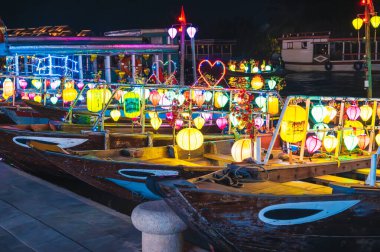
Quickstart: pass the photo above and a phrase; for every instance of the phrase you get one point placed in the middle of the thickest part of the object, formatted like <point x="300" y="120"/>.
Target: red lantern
<point x="154" y="97"/>
<point x="313" y="144"/>
<point x="169" y="116"/>
<point x="221" y="122"/>
<point x="187" y="94"/>
<point x="353" y="112"/>
<point x="363" y="141"/>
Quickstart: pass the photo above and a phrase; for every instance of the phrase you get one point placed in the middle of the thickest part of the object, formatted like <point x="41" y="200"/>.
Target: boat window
<point x="336" y="51"/>
<point x="289" y="45"/>
<point x="304" y="44"/>
<point x="320" y="49"/>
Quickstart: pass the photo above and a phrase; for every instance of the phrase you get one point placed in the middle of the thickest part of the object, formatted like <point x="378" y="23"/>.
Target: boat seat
<point x="365" y="171"/>
<point x="315" y="188"/>
<point x="219" y="157"/>
<point x="336" y="179"/>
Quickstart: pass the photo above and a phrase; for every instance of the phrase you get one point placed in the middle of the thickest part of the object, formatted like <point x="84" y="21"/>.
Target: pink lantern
<point x="363" y="141"/>
<point x="24" y="96"/>
<point x="31" y="95"/>
<point x="23" y="84"/>
<point x="80" y="85"/>
<point x="353" y="112"/>
<point x="313" y="144"/>
<point x="169" y="116"/>
<point x="221" y="122"/>
<point x="54" y="84"/>
<point x="259" y="122"/>
<point x="207" y="116"/>
<point x="178" y="124"/>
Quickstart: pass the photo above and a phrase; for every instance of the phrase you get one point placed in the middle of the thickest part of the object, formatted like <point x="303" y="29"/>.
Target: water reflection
<point x="329" y="84"/>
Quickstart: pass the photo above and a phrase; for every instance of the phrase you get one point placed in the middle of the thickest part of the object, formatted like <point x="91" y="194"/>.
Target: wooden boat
<point x="123" y="172"/>
<point x="236" y="210"/>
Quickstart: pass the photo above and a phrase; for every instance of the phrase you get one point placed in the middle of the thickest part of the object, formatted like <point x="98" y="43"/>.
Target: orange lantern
<point x="363" y="141"/>
<point x="199" y="100"/>
<point x="154" y="97"/>
<point x="257" y="82"/>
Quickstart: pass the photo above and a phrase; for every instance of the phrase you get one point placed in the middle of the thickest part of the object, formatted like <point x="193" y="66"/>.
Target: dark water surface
<point x="329" y="84"/>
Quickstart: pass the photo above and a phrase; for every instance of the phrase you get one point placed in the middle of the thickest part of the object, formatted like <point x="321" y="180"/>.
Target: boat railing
<point x="338" y="129"/>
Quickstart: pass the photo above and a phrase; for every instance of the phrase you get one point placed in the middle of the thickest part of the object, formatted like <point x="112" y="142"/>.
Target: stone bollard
<point x="161" y="228"/>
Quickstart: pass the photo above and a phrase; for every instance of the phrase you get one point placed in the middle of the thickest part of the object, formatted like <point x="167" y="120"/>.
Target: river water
<point x="329" y="84"/>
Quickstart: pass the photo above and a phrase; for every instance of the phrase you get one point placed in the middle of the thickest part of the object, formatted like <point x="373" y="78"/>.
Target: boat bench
<point x="219" y="157"/>
<point x="365" y="171"/>
<point x="336" y="179"/>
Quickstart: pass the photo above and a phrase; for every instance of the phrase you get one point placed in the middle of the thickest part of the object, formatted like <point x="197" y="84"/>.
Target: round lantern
<point x="350" y="142"/>
<point x="331" y="113"/>
<point x="318" y="112"/>
<point x="377" y="138"/>
<point x="318" y="127"/>
<point x="189" y="139"/>
<point x="313" y="144"/>
<point x="69" y="94"/>
<point x="358" y="126"/>
<point x="156" y="122"/>
<point x="154" y="97"/>
<point x="257" y="82"/>
<point x="261" y="101"/>
<point x="363" y="141"/>
<point x="199" y="122"/>
<point x="131" y="104"/>
<point x="170" y="95"/>
<point x="37" y="84"/>
<point x="273" y="105"/>
<point x="330" y="142"/>
<point x="23" y="83"/>
<point x="37" y="98"/>
<point x="259" y="122"/>
<point x="221" y="122"/>
<point x="365" y="112"/>
<point x="293" y="124"/>
<point x="241" y="149"/>
<point x="31" y="95"/>
<point x="96" y="98"/>
<point x="208" y="96"/>
<point x="271" y="84"/>
<point x="115" y="115"/>
<point x="8" y="88"/>
<point x="220" y="100"/>
<point x="199" y="100"/>
<point x="353" y="112"/>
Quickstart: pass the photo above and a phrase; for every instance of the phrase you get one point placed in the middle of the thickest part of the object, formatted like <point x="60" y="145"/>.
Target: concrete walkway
<point x="38" y="216"/>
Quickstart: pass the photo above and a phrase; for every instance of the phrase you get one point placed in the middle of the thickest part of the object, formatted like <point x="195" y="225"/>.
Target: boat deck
<point x="38" y="216"/>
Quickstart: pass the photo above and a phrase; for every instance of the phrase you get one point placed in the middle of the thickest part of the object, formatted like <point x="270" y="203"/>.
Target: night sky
<point x="245" y="20"/>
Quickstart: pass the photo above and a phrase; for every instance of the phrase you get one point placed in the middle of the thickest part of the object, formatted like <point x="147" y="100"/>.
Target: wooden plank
<point x="310" y="187"/>
<point x="365" y="171"/>
<point x="219" y="157"/>
<point x="337" y="179"/>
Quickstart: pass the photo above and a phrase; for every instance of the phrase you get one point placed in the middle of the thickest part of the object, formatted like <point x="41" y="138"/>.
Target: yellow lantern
<point x="375" y="21"/>
<point x="37" y="98"/>
<point x="241" y="149"/>
<point x="365" y="112"/>
<point x="199" y="122"/>
<point x="131" y="105"/>
<point x="331" y="113"/>
<point x="257" y="82"/>
<point x="353" y="124"/>
<point x="8" y="88"/>
<point x="37" y="84"/>
<point x="273" y="105"/>
<point x="69" y="94"/>
<point x="152" y="114"/>
<point x="377" y="138"/>
<point x="357" y="23"/>
<point x="330" y="142"/>
<point x="115" y="115"/>
<point x="220" y="100"/>
<point x="293" y="124"/>
<point x="93" y="57"/>
<point x="96" y="98"/>
<point x="189" y="139"/>
<point x="156" y="122"/>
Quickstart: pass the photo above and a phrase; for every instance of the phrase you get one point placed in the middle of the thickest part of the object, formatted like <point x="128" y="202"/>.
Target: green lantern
<point x="131" y="105"/>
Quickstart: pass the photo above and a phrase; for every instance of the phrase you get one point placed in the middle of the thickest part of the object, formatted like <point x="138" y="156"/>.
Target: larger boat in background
<point x="319" y="51"/>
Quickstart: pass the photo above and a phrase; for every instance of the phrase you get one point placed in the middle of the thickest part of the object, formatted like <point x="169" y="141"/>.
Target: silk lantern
<point x="115" y="115"/>
<point x="271" y="84"/>
<point x="156" y="122"/>
<point x="358" y="126"/>
<point x="377" y="138"/>
<point x="178" y="124"/>
<point x="23" y="83"/>
<point x="221" y="122"/>
<point x="189" y="139"/>
<point x="221" y="100"/>
<point x="273" y="105"/>
<point x="318" y="112"/>
<point x="54" y="84"/>
<point x="199" y="100"/>
<point x="131" y="104"/>
<point x="181" y="99"/>
<point x="37" y="98"/>
<point x="169" y="116"/>
<point x="261" y="101"/>
<point x="97" y="98"/>
<point x="69" y="94"/>
<point x="319" y="128"/>
<point x="241" y="149"/>
<point x="154" y="97"/>
<point x="353" y="112"/>
<point x="37" y="84"/>
<point x="378" y="111"/>
<point x="199" y="122"/>
<point x="259" y="122"/>
<point x="208" y="96"/>
<point x="357" y="23"/>
<point x="206" y="116"/>
<point x="331" y="113"/>
<point x="363" y="141"/>
<point x="293" y="124"/>
<point x="233" y="119"/>
<point x="53" y="100"/>
<point x="365" y="112"/>
<point x="313" y="144"/>
<point x="257" y="82"/>
<point x="330" y="142"/>
<point x="8" y="88"/>
<point x="350" y="142"/>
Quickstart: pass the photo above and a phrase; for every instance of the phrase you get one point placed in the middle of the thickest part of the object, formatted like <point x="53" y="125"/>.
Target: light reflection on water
<point x="329" y="84"/>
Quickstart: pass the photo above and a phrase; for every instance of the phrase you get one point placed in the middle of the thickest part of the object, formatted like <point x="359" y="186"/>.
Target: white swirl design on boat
<point x="59" y="141"/>
<point x="144" y="173"/>
<point x="303" y="212"/>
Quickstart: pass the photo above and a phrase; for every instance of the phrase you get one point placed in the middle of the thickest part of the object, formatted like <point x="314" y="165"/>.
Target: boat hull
<point x="337" y="66"/>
